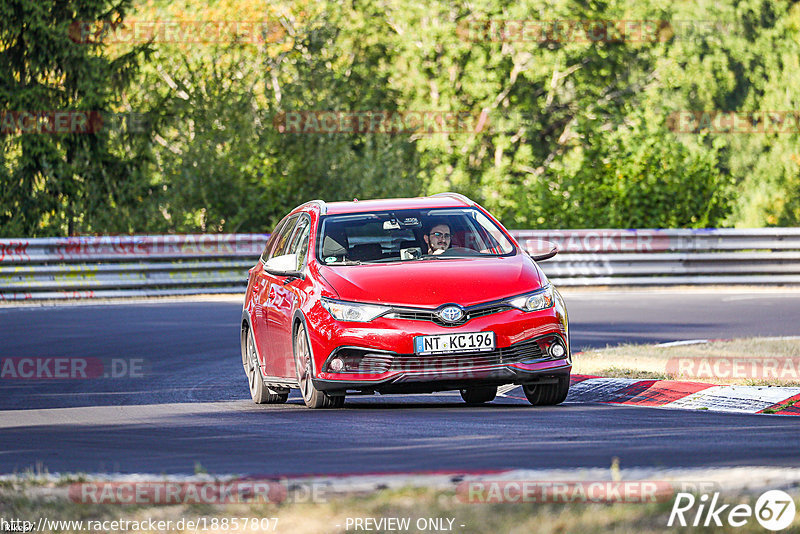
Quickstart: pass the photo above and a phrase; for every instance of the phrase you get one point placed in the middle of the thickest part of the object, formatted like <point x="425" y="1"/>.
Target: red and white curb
<point x="685" y="395"/>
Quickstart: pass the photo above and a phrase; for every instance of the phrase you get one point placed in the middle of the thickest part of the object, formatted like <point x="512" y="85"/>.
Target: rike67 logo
<point x="774" y="510"/>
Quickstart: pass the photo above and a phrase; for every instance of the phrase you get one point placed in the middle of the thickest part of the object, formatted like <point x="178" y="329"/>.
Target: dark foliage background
<point x="581" y="130"/>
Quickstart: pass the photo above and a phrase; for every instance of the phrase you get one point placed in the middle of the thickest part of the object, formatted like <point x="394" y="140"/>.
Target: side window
<point x="273" y="238"/>
<point x="299" y="244"/>
<point x="283" y="237"/>
<point x="497" y="241"/>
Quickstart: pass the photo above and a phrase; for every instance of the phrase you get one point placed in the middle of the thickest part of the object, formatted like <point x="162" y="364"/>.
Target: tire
<point x="479" y="394"/>
<point x="547" y="394"/>
<point x="304" y="367"/>
<point x="259" y="392"/>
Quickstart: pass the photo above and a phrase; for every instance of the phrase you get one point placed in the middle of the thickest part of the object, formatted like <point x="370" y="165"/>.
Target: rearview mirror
<point x="542" y="250"/>
<point x="285" y="265"/>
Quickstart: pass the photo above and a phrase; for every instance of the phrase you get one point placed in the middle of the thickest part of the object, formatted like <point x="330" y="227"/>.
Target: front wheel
<point x="479" y="394"/>
<point x="313" y="397"/>
<point x="260" y="393"/>
<point x="547" y="394"/>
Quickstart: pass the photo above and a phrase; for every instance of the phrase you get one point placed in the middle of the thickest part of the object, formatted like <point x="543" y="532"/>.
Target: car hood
<point x="431" y="283"/>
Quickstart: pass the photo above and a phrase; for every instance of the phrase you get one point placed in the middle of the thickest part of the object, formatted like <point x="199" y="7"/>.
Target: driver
<point x="437" y="238"/>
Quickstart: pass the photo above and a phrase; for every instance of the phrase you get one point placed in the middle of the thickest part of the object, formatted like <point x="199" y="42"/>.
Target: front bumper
<point x="447" y="379"/>
<point x="520" y="356"/>
<point x="524" y="362"/>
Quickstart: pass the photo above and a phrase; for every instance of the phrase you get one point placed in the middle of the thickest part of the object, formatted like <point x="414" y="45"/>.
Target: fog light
<point x="337" y="365"/>
<point x="557" y="350"/>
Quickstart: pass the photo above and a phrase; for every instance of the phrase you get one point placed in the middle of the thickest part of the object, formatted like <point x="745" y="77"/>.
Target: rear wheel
<point x="313" y="397"/>
<point x="259" y="391"/>
<point x="547" y="394"/>
<point x="479" y="394"/>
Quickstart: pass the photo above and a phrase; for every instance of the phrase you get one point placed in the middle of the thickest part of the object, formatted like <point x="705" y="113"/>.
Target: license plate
<point x="469" y="342"/>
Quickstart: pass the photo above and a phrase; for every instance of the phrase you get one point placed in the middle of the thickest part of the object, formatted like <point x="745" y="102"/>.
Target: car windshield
<point x="406" y="235"/>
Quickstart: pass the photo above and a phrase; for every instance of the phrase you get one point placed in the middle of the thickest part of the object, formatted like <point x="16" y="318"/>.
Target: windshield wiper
<point x="345" y="262"/>
<point x="386" y="260"/>
<point x="439" y="257"/>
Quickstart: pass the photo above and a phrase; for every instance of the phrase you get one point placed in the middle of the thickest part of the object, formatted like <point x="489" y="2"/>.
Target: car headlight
<point x="352" y="311"/>
<point x="538" y="300"/>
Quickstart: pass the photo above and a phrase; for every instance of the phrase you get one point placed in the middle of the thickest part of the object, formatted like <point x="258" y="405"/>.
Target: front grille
<point x="480" y="312"/>
<point x="411" y="315"/>
<point x="414" y="314"/>
<point x="524" y="350"/>
<point x="375" y="363"/>
<point x="360" y="360"/>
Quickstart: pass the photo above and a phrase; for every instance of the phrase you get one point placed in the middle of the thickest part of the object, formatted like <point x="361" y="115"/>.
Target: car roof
<point x="442" y="200"/>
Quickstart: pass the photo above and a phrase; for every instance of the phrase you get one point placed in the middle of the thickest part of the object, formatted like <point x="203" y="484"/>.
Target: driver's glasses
<point x="440" y="235"/>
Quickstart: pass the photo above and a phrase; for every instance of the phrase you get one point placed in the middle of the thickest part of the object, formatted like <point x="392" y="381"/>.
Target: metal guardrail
<point x="670" y="257"/>
<point x="126" y="266"/>
<point x="131" y="266"/>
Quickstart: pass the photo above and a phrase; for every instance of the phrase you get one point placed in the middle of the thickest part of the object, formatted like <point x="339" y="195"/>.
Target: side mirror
<point x="542" y="250"/>
<point x="285" y="265"/>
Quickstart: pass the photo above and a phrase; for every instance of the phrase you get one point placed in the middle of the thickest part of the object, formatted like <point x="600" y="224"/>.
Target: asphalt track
<point x="191" y="407"/>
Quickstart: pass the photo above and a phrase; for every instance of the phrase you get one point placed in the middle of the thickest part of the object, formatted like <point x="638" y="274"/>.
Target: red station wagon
<point x="401" y="296"/>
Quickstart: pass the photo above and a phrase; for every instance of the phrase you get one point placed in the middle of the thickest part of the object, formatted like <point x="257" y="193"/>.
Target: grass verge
<point x="422" y="507"/>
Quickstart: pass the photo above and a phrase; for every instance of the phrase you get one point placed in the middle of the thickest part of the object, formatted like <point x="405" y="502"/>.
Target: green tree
<point x="226" y="165"/>
<point x="65" y="183"/>
<point x="579" y="131"/>
<point x="744" y="59"/>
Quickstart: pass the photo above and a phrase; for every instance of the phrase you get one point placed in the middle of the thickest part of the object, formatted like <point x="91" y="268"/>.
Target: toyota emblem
<point x="451" y="314"/>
